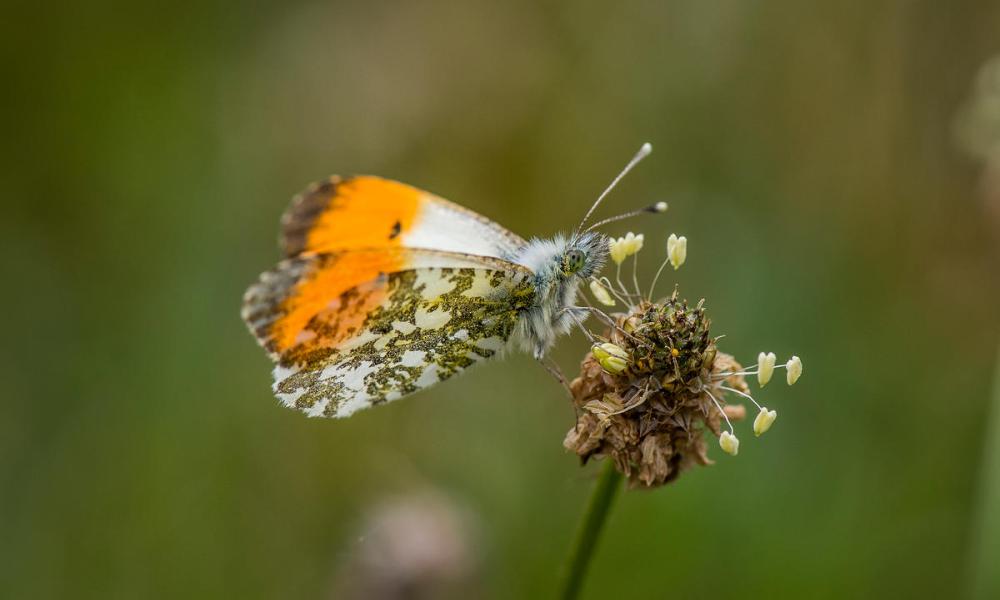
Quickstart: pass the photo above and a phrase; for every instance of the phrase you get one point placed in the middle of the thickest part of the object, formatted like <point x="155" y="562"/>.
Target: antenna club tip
<point x="660" y="207"/>
<point x="646" y="149"/>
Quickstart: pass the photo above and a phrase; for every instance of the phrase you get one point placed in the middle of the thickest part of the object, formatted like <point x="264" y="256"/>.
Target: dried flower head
<point x="655" y="384"/>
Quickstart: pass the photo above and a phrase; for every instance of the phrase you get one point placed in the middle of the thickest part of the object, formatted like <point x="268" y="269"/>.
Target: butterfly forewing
<point x="371" y="212"/>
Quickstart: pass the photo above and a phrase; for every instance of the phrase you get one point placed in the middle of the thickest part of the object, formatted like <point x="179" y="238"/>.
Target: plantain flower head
<point x="655" y="385"/>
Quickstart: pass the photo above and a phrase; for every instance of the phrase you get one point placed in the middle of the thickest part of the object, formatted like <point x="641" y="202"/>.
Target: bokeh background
<point x="829" y="163"/>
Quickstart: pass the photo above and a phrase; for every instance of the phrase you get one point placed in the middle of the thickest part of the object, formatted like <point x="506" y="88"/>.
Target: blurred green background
<point x="808" y="152"/>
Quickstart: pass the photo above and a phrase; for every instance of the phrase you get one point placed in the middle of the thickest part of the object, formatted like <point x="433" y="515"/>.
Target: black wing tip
<point x="302" y="212"/>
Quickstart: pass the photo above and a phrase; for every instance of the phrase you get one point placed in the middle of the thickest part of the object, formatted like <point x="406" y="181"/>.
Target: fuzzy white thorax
<point x="555" y="290"/>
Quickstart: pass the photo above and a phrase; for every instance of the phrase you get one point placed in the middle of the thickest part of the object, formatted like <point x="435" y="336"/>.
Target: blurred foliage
<point x="807" y="153"/>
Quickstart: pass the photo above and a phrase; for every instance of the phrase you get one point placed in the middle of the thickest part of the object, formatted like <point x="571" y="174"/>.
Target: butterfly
<point x="386" y="289"/>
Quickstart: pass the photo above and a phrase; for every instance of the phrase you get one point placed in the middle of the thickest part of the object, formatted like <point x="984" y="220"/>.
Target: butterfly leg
<point x="553" y="368"/>
<point x="578" y="315"/>
<point x="603" y="316"/>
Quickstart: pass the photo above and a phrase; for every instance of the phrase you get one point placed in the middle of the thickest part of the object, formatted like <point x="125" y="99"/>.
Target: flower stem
<point x="983" y="578"/>
<point x="598" y="508"/>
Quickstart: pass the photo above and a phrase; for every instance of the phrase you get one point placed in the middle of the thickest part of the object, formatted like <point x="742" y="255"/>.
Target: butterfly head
<point x="584" y="255"/>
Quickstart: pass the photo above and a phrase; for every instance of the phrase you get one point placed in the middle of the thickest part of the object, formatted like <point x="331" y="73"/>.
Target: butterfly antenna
<point x="659" y="207"/>
<point x="641" y="154"/>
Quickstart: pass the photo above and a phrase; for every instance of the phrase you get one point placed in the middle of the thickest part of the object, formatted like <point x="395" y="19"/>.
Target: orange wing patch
<point x="337" y="289"/>
<point x="356" y="212"/>
<point x="320" y="296"/>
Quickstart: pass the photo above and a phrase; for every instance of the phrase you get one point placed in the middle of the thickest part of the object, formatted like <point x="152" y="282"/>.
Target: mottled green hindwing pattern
<point x="431" y="324"/>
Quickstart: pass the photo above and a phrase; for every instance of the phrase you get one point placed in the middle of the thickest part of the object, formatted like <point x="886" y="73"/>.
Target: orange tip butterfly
<point x="386" y="289"/>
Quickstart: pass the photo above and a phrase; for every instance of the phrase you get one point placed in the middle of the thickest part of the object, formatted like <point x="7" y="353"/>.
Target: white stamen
<point x="765" y="367"/>
<point x="621" y="286"/>
<point x="634" y="242"/>
<point x="794" y="366"/>
<point x="677" y="250"/>
<point x="729" y="443"/>
<point x="744" y="394"/>
<point x="719" y="406"/>
<point x="618" y="250"/>
<point x="635" y="267"/>
<point x="611" y="288"/>
<point x="765" y="418"/>
<point x="656" y="278"/>
<point x="601" y="293"/>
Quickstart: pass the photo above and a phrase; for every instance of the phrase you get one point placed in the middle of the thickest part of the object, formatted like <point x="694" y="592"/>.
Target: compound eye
<point x="573" y="261"/>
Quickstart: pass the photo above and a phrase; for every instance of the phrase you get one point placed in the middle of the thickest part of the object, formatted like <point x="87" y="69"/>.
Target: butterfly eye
<point x="573" y="261"/>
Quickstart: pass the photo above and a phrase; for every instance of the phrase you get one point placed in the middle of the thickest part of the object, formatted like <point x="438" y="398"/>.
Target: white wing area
<point x="443" y="225"/>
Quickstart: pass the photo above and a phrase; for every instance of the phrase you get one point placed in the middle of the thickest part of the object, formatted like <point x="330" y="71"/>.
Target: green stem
<point x="984" y="578"/>
<point x="598" y="508"/>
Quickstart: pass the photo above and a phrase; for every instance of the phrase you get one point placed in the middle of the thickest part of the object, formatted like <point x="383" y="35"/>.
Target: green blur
<point x="807" y="151"/>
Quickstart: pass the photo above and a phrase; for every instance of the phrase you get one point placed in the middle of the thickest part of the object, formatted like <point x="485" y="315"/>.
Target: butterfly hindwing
<point x="357" y="328"/>
<point x="372" y="212"/>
